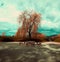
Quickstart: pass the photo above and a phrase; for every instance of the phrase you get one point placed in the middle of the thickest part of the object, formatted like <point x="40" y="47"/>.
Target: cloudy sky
<point x="49" y="9"/>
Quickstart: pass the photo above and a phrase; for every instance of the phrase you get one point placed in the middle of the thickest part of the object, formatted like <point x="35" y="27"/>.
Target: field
<point x="14" y="52"/>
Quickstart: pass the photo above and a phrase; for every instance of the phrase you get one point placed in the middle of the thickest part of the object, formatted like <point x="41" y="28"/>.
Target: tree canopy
<point x="30" y="21"/>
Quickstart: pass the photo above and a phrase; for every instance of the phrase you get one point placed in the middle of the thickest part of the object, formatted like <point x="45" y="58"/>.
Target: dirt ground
<point x="13" y="52"/>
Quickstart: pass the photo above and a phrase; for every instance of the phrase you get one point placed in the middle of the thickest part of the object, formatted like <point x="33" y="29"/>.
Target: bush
<point x="57" y="40"/>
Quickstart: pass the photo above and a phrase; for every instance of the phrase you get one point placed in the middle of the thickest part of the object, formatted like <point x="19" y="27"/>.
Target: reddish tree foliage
<point x="3" y="34"/>
<point x="30" y="21"/>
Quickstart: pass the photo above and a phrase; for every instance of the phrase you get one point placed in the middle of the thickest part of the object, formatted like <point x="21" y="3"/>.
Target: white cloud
<point x="9" y="14"/>
<point x="48" y="24"/>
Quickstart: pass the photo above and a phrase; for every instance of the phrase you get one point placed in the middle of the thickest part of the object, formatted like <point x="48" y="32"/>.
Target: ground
<point x="13" y="52"/>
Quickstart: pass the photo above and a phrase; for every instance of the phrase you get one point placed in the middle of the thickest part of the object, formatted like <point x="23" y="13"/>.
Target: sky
<point x="49" y="10"/>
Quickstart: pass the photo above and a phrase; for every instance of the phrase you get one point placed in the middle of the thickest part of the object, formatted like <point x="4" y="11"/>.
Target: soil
<point x="14" y="52"/>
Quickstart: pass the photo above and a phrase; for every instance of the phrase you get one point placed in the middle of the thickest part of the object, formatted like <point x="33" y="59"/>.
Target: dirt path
<point x="13" y="52"/>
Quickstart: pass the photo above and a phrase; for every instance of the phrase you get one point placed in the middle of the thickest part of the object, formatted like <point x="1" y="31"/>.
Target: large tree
<point x="30" y="21"/>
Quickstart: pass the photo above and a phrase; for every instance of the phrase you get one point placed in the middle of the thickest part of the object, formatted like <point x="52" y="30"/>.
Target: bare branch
<point x="30" y="22"/>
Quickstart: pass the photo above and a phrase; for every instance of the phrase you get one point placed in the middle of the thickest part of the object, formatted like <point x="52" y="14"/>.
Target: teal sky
<point x="49" y="9"/>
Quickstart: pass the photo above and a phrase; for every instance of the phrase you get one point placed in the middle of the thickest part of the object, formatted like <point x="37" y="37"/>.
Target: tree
<point x="30" y="21"/>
